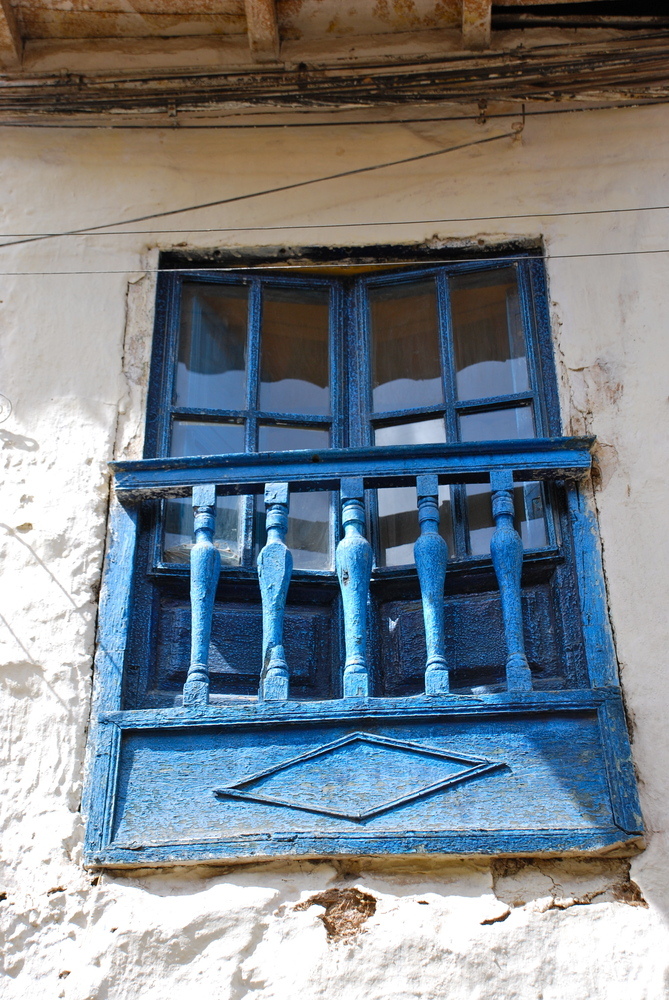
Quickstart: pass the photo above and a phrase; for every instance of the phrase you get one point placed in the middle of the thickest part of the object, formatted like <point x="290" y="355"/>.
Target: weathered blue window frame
<point x="498" y="772"/>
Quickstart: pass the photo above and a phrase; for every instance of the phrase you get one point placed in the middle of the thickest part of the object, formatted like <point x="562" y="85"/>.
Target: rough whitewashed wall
<point x="75" y="351"/>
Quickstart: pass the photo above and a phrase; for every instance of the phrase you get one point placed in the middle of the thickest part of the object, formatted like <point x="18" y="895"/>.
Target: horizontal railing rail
<point x="535" y="458"/>
<point x="276" y="475"/>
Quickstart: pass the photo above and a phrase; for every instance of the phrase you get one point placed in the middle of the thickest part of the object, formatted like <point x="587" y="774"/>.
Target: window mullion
<point x="248" y="503"/>
<point x="170" y="361"/>
<point x="541" y="422"/>
<point x="458" y="496"/>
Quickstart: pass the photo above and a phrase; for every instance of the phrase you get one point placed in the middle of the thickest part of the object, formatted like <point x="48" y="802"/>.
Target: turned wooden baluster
<point x="431" y="556"/>
<point x="506" y="549"/>
<point x="354" y="568"/>
<point x="205" y="567"/>
<point x="275" y="565"/>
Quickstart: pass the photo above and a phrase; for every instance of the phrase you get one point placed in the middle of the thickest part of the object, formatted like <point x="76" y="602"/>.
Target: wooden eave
<point x="139" y="58"/>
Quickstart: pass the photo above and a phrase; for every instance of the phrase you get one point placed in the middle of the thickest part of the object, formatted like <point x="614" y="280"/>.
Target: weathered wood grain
<point x="205" y="568"/>
<point x="354" y="566"/>
<point x="275" y="565"/>
<point x="263" y="29"/>
<point x="380" y="466"/>
<point x="476" y="23"/>
<point x="431" y="556"/>
<point x="506" y="549"/>
<point x="11" y="42"/>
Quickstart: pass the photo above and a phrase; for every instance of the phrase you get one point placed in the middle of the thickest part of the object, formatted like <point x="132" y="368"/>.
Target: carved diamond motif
<point x="358" y="776"/>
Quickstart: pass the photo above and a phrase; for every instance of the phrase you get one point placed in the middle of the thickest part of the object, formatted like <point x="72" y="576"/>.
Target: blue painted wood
<point x="433" y="771"/>
<point x="102" y="781"/>
<point x="511" y="399"/>
<point x="275" y="565"/>
<point x="535" y="458"/>
<point x="205" y="567"/>
<point x="512" y="717"/>
<point x="251" y="713"/>
<point x="112" y="636"/>
<point x="269" y="846"/>
<point x="431" y="557"/>
<point x="619" y="766"/>
<point x="115" y="608"/>
<point x="236" y="416"/>
<point x="354" y="567"/>
<point x="597" y="637"/>
<point x="442" y="783"/>
<point x="506" y="549"/>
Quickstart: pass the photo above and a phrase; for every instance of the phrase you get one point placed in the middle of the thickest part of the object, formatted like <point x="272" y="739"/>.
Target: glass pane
<point x="406" y="369"/>
<point x="399" y="528"/>
<point x="488" y="334"/>
<point x="309" y="535"/>
<point x="292" y="439"/>
<point x="211" y="361"/>
<point x="199" y="438"/>
<point x="294" y="367"/>
<point x="419" y="432"/>
<point x="191" y="437"/>
<point x="529" y="519"/>
<point x="178" y="530"/>
<point x="498" y="425"/>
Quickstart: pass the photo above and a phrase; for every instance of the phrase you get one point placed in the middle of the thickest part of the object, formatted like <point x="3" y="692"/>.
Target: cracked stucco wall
<point x="75" y="327"/>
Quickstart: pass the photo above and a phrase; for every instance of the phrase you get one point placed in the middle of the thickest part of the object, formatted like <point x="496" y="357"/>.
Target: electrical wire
<point x="280" y="266"/>
<point x="481" y="117"/>
<point x="348" y="225"/>
<point x="274" y="190"/>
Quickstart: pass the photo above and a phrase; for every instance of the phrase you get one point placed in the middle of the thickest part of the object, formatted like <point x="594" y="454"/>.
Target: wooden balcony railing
<point x="352" y="471"/>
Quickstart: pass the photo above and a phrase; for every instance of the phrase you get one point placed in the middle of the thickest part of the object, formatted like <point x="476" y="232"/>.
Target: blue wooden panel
<point x="235" y="651"/>
<point x="474" y="641"/>
<point x="345" y="783"/>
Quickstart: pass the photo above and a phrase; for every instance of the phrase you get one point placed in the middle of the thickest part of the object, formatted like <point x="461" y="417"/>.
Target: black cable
<point x="479" y="117"/>
<point x="256" y="194"/>
<point x="423" y="262"/>
<point x="349" y="225"/>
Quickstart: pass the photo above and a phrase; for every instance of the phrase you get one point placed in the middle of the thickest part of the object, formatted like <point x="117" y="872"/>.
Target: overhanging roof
<point x="81" y="57"/>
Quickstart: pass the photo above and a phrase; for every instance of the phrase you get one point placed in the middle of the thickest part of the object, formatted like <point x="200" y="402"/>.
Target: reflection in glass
<point x="178" y="530"/>
<point x="292" y="439"/>
<point x="200" y="438"/>
<point x="308" y="536"/>
<point x="211" y="360"/>
<point x="418" y="432"/>
<point x="399" y="527"/>
<point x="294" y="367"/>
<point x="190" y="437"/>
<point x="498" y="425"/>
<point x="488" y="334"/>
<point x="406" y="368"/>
<point x="529" y="519"/>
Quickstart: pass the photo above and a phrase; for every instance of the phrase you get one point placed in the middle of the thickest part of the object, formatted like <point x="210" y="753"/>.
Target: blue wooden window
<point x="353" y="601"/>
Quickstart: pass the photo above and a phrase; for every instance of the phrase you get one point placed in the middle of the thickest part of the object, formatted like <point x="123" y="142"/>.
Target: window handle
<point x="275" y="565"/>
<point x="205" y="568"/>
<point x="431" y="557"/>
<point x="354" y="569"/>
<point x="506" y="549"/>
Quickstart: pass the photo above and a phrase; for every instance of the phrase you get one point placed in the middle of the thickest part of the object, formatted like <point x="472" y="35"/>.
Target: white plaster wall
<point x="75" y="326"/>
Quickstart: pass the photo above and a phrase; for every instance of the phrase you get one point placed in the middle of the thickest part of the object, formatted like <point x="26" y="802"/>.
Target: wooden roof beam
<point x="476" y="23"/>
<point x="263" y="29"/>
<point x="11" y="43"/>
